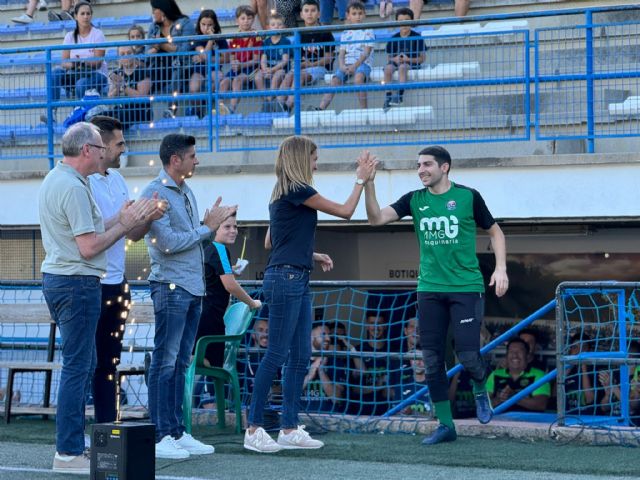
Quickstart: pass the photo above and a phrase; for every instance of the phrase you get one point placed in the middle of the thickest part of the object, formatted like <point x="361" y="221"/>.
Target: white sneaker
<point x="42" y="5"/>
<point x="298" y="438"/>
<point x="260" y="442"/>
<point x="23" y="19"/>
<point x="193" y="446"/>
<point x="75" y="464"/>
<point x="168" y="448"/>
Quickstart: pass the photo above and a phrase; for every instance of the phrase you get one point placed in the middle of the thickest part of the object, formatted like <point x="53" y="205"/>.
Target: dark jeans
<point x="464" y="312"/>
<point x="113" y="315"/>
<point x="80" y="81"/>
<point x="286" y="292"/>
<point x="74" y="304"/>
<point x="177" y="313"/>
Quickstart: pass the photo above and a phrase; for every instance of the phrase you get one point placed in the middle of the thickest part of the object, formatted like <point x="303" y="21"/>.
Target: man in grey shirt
<point x="75" y="239"/>
<point x="177" y="287"/>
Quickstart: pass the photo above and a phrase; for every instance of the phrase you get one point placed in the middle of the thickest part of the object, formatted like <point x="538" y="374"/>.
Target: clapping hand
<point x="214" y="216"/>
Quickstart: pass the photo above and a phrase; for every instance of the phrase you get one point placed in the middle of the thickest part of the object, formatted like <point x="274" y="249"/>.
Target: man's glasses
<point x="97" y="146"/>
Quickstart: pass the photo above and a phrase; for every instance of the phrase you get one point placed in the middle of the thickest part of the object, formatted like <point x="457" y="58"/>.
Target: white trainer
<point x="168" y="448"/>
<point x="193" y="446"/>
<point x="42" y="5"/>
<point x="74" y="464"/>
<point x="298" y="438"/>
<point x="260" y="442"/>
<point x="23" y="19"/>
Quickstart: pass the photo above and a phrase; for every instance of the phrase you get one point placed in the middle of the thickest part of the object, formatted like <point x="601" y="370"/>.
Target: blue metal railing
<point x="510" y="79"/>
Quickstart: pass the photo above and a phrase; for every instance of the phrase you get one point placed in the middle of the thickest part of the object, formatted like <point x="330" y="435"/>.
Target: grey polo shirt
<point x="175" y="240"/>
<point x="67" y="209"/>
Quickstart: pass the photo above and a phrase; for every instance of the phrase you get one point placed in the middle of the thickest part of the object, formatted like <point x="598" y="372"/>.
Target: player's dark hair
<point x="356" y="5"/>
<point x="175" y="144"/>
<point x="520" y="341"/>
<point x="106" y="125"/>
<point x="310" y="2"/>
<point x="208" y="13"/>
<point x="441" y="155"/>
<point x="404" y="11"/>
<point x="245" y="10"/>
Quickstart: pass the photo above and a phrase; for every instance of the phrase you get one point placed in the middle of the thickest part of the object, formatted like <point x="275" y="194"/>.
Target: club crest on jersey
<point x="451" y="205"/>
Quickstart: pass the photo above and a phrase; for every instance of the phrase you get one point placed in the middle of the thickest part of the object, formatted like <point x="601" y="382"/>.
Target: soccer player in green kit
<point x="450" y="285"/>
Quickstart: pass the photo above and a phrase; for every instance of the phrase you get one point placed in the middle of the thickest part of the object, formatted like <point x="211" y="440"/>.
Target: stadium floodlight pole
<point x="488" y="347"/>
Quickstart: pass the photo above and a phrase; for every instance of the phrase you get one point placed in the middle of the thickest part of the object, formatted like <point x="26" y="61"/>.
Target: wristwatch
<point x="359" y="181"/>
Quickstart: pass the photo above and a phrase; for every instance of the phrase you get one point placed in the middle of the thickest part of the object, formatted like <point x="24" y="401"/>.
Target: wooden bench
<point x="39" y="314"/>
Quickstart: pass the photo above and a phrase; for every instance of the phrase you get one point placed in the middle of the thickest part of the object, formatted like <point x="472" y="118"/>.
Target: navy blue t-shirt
<point x="274" y="55"/>
<point x="293" y="229"/>
<point x="412" y="46"/>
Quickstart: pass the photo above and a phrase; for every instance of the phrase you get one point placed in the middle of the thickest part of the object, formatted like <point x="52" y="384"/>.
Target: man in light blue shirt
<point x="177" y="287"/>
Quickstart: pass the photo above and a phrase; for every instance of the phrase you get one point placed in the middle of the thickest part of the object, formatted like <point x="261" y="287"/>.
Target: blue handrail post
<point x="624" y="368"/>
<point x="210" y="91"/>
<point x="590" y="87"/>
<point x="217" y="105"/>
<point x="297" y="46"/>
<point x="527" y="85"/>
<point x="50" y="133"/>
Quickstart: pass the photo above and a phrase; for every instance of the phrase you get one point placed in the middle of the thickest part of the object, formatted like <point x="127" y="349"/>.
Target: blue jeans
<point x="326" y="10"/>
<point x="74" y="303"/>
<point x="80" y="81"/>
<point x="177" y="313"/>
<point x="286" y="292"/>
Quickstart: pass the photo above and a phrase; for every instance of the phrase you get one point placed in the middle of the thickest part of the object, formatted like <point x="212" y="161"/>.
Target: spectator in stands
<point x="328" y="6"/>
<point x="293" y="213"/>
<point x="578" y="385"/>
<point x="461" y="7"/>
<point x="244" y="63"/>
<point x="411" y="335"/>
<point x="354" y="59"/>
<point x="75" y="238"/>
<point x="376" y="383"/>
<point x="610" y="398"/>
<point x="168" y="23"/>
<point x="207" y="24"/>
<point x="135" y="33"/>
<point x="221" y="283"/>
<point x="530" y="337"/>
<point x="412" y="381"/>
<point x="177" y="287"/>
<point x="325" y="383"/>
<point x="274" y="64"/>
<point x="317" y="50"/>
<point x="130" y="80"/>
<point x="66" y="11"/>
<point x="405" y="51"/>
<point x="28" y="15"/>
<point x="504" y="383"/>
<point x="111" y="193"/>
<point x="82" y="69"/>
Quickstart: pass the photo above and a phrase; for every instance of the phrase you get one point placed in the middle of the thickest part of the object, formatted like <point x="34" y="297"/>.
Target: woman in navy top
<point x="293" y="215"/>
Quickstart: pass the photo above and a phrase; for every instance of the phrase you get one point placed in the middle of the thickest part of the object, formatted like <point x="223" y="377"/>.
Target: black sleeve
<point x="403" y="205"/>
<point x="481" y="213"/>
<point x="212" y="260"/>
<point x="329" y="49"/>
<point x="299" y="196"/>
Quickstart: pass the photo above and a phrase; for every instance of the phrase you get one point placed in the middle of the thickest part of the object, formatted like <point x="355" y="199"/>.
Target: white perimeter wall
<point x="512" y="193"/>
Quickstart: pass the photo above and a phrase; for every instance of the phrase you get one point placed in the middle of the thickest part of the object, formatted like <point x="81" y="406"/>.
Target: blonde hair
<point x="293" y="165"/>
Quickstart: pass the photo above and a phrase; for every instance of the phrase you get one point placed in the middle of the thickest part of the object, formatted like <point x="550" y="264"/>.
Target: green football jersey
<point x="445" y="226"/>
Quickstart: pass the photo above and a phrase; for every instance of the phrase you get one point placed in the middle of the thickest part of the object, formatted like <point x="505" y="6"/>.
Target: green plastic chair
<point x="237" y="319"/>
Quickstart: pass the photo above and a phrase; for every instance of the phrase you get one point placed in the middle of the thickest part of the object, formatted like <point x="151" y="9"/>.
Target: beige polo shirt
<point x="67" y="209"/>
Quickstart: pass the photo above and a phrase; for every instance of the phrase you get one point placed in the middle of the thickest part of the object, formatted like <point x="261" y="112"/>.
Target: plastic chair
<point x="237" y="319"/>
